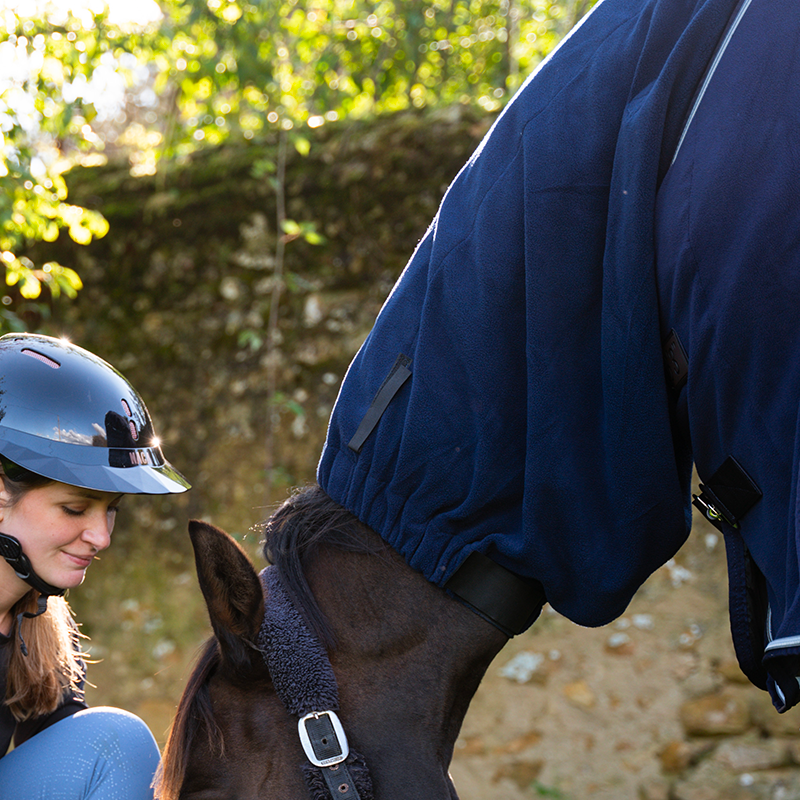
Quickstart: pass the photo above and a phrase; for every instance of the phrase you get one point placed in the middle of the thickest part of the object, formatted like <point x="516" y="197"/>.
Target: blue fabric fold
<point x="536" y="424"/>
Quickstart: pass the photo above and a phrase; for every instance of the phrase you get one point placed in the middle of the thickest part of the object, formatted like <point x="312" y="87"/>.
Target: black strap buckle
<point x="729" y="494"/>
<point x="11" y="551"/>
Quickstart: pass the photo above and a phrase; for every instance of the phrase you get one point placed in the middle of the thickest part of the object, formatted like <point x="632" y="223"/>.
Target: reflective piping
<point x="711" y="70"/>
<point x="784" y="641"/>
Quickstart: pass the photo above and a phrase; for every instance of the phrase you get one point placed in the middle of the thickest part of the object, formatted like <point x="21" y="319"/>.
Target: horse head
<point x="407" y="660"/>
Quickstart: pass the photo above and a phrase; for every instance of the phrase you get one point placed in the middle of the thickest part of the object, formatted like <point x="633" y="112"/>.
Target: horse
<point x="407" y="658"/>
<point x="525" y="403"/>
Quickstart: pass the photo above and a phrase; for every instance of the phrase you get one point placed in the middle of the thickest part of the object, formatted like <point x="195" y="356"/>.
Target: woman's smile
<point x="81" y="561"/>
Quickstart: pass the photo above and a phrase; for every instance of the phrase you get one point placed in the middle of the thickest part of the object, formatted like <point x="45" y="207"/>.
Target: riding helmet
<point x="70" y="416"/>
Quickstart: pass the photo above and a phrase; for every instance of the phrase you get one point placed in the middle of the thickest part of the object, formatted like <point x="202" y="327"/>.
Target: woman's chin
<point x="68" y="580"/>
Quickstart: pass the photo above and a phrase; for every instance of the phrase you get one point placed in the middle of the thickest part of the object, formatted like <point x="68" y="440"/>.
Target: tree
<point x="237" y="67"/>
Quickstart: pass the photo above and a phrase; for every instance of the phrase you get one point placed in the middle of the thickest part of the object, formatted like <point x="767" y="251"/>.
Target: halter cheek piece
<point x="11" y="551"/>
<point x="304" y="681"/>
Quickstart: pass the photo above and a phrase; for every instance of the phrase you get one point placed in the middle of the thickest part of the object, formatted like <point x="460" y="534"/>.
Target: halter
<point x="304" y="681"/>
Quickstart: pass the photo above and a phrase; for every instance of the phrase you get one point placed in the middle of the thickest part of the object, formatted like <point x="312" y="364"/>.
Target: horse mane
<point x="194" y="715"/>
<point x="307" y="519"/>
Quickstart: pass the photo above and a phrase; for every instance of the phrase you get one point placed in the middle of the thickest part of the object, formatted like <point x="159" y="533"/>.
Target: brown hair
<point x="36" y="682"/>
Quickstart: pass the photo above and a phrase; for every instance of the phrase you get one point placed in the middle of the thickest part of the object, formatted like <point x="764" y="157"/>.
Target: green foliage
<point x="240" y="67"/>
<point x="222" y="68"/>
<point x="48" y="62"/>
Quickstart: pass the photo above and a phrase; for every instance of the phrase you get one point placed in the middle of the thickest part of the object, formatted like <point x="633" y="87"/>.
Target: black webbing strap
<point x="325" y="744"/>
<point x="500" y="596"/>
<point x="340" y="782"/>
<point x="398" y="375"/>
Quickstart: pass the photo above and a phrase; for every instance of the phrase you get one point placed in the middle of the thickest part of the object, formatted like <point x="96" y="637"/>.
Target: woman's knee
<point x="103" y="753"/>
<point x="116" y="732"/>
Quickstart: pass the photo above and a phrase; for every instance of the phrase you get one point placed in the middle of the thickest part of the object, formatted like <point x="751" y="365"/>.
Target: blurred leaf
<point x="291" y="228"/>
<point x="302" y="145"/>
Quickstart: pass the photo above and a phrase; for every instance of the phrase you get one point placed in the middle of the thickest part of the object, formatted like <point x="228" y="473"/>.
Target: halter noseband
<point x="304" y="681"/>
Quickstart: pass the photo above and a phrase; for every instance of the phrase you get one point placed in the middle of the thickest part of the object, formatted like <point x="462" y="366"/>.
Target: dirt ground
<point x="569" y="712"/>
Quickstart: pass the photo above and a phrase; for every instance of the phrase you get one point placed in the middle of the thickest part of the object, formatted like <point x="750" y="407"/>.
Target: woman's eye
<point x="73" y="512"/>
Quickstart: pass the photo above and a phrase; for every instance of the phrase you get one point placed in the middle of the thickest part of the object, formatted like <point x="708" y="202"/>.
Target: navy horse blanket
<point x="641" y="187"/>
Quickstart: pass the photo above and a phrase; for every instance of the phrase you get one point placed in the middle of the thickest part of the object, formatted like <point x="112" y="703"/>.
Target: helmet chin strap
<point x="11" y="551"/>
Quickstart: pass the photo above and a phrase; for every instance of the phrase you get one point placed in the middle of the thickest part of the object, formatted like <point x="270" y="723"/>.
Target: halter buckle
<point x="323" y="738"/>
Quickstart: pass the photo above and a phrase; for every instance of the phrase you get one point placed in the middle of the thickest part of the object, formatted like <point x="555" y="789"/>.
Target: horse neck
<point x="408" y="660"/>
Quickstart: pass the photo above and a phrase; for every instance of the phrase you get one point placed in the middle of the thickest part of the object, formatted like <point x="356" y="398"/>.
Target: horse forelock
<point x="307" y="519"/>
<point x="194" y="716"/>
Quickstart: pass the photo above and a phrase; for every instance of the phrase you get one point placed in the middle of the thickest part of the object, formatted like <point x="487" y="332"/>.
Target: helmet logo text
<point x="140" y="458"/>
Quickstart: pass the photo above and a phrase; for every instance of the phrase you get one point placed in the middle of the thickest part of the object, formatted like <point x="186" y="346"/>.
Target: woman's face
<point x="61" y="528"/>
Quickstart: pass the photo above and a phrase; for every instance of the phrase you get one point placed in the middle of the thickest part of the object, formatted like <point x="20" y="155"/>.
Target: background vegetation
<point x="79" y="83"/>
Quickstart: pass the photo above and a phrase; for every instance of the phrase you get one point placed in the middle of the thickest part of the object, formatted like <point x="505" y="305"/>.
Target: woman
<point x="74" y="438"/>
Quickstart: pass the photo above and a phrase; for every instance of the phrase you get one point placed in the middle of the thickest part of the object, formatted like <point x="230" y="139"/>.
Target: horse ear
<point x="232" y="591"/>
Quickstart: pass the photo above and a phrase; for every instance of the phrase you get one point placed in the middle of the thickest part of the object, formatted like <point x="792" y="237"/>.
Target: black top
<point x="22" y="731"/>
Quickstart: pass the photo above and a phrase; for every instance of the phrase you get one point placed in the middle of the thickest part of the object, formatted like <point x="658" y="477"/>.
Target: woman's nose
<point x="98" y="531"/>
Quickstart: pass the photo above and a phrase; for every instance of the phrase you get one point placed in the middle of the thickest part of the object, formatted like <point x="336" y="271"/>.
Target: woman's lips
<point x="81" y="561"/>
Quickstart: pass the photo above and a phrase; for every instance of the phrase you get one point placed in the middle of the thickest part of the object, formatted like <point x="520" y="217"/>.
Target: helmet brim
<point x="133" y="471"/>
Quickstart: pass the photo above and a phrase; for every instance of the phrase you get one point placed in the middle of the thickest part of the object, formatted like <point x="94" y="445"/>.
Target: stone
<point x="580" y="694"/>
<point x="715" y="715"/>
<point x="768" y="720"/>
<point x="526" y="667"/>
<point x="469" y="746"/>
<point x="677" y="756"/>
<point x="620" y="644"/>
<point x="520" y="772"/>
<point x="752" y="755"/>
<point x="732" y="672"/>
<point x="520" y="744"/>
<point x="655" y="789"/>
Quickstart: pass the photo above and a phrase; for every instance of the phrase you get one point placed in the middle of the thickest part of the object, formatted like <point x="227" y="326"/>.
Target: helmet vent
<point x="39" y="357"/>
<point x="134" y="432"/>
<point x="126" y="407"/>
